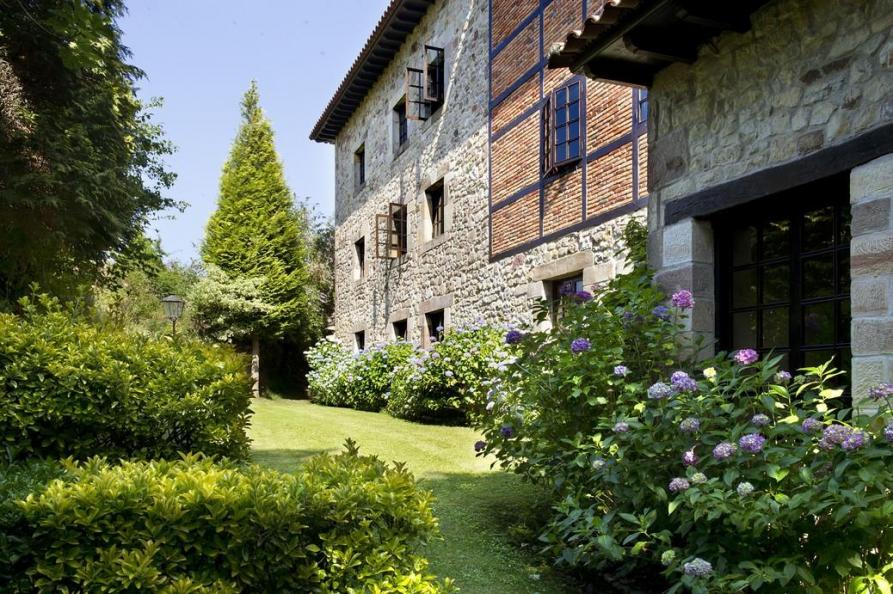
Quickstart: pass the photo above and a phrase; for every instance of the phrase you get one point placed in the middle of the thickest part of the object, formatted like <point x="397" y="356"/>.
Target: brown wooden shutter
<point x="433" y="74"/>
<point x="382" y="226"/>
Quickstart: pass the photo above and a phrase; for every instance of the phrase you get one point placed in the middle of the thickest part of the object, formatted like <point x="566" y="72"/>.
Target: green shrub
<point x="345" y="523"/>
<point x="71" y="388"/>
<point x="669" y="475"/>
<point x="359" y="380"/>
<point x="450" y="381"/>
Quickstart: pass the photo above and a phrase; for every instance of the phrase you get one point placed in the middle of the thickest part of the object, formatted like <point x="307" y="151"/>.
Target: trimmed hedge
<point x="71" y="388"/>
<point x="345" y="523"/>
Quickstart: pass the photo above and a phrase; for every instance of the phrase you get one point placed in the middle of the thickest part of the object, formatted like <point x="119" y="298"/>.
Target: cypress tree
<point x="258" y="233"/>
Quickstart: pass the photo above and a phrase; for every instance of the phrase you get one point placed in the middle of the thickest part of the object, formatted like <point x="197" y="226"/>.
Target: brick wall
<point x="615" y="178"/>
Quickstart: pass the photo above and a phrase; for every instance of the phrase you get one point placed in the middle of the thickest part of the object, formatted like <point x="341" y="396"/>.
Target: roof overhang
<point x="630" y="41"/>
<point x="395" y="25"/>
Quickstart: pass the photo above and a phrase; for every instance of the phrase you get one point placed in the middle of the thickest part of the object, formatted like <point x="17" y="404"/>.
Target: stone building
<point x="470" y="179"/>
<point x="771" y="166"/>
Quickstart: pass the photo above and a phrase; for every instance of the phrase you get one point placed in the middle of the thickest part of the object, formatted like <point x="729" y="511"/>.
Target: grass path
<point x="475" y="505"/>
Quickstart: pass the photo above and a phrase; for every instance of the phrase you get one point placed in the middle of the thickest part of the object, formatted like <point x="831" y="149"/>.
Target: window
<point x="359" y="248"/>
<point x="434" y="77"/>
<point x="784" y="276"/>
<point x="359" y="158"/>
<point x="434" y="325"/>
<point x="391" y="232"/>
<point x="400" y="328"/>
<point x="360" y="340"/>
<point x="560" y="290"/>
<point x="641" y="98"/>
<point x="401" y="125"/>
<point x="435" y="197"/>
<point x="564" y="126"/>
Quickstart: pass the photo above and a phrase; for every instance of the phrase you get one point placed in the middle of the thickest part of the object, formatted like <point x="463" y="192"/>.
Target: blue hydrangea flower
<point x="677" y="485"/>
<point x="782" y="377"/>
<point x="697" y="568"/>
<point x="659" y="391"/>
<point x="834" y="435"/>
<point x="760" y="420"/>
<point x="682" y="382"/>
<point x="621" y="427"/>
<point x="810" y="425"/>
<point x="662" y="312"/>
<point x="567" y="289"/>
<point x="724" y="450"/>
<point x="621" y="371"/>
<point x="880" y="392"/>
<point x="752" y="442"/>
<point x="507" y="431"/>
<point x="479" y="445"/>
<point x="514" y="337"/>
<point x="854" y="441"/>
<point x="580" y="345"/>
<point x="583" y="296"/>
<point x="888" y="432"/>
<point x="690" y="425"/>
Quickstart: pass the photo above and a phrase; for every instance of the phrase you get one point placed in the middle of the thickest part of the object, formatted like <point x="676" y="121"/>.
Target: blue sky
<point x="199" y="56"/>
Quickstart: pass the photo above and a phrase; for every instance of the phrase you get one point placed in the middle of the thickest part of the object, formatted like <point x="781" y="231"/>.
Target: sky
<point x="199" y="57"/>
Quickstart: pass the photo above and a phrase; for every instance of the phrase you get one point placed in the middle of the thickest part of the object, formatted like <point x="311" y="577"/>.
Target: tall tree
<point x="258" y="239"/>
<point x="81" y="167"/>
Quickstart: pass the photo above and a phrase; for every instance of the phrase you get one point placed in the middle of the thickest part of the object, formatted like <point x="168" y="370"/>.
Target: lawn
<point x="476" y="506"/>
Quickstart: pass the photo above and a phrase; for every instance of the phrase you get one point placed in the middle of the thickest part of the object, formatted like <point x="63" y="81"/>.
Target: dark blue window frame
<point x="642" y="106"/>
<point x="566" y="134"/>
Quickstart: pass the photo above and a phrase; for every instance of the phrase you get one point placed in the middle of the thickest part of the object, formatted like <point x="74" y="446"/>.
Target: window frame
<point x="434" y="68"/>
<point x="360" y="166"/>
<point x="552" y="129"/>
<point x="359" y="340"/>
<point x="557" y="300"/>
<point x="392" y="232"/>
<point x="435" y="195"/>
<point x="401" y="125"/>
<point x="400" y="328"/>
<point x="642" y="106"/>
<point x="359" y="248"/>
<point x="438" y="317"/>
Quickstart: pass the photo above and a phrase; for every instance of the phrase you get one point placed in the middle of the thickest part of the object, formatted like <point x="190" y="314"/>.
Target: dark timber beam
<point x="664" y="50"/>
<point x="633" y="73"/>
<point x="713" y="17"/>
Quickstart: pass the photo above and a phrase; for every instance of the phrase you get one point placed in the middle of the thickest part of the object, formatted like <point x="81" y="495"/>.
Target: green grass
<point x="476" y="506"/>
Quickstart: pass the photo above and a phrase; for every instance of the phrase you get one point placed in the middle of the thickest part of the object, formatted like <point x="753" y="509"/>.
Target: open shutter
<point x="414" y="88"/>
<point x="397" y="229"/>
<point x="382" y="225"/>
<point x="548" y="132"/>
<point x="433" y="74"/>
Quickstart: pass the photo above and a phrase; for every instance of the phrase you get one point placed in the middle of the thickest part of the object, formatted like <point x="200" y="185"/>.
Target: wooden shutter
<point x="414" y="88"/>
<point x="382" y="226"/>
<point x="397" y="229"/>
<point x="433" y="74"/>
<point x="548" y="136"/>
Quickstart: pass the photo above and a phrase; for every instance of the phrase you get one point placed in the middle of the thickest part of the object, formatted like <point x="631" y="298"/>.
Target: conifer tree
<point x="259" y="236"/>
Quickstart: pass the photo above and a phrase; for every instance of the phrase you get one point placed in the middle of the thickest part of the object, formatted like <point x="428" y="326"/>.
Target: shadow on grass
<point x="284" y="460"/>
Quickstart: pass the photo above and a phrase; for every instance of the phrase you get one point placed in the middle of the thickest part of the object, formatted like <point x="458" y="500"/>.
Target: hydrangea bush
<point x="450" y="381"/>
<point x="722" y="476"/>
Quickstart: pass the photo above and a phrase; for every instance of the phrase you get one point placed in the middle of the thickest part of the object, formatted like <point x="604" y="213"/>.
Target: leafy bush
<point x="450" y="381"/>
<point x="345" y="523"/>
<point x="71" y="388"/>
<point x="356" y="380"/>
<point x="715" y="477"/>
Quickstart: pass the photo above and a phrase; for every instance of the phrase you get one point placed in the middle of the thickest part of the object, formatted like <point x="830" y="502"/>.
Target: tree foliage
<point x="81" y="166"/>
<point x="257" y="246"/>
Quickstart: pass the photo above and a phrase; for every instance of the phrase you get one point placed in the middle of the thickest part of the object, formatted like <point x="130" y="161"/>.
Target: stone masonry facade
<point x="809" y="75"/>
<point x="468" y="272"/>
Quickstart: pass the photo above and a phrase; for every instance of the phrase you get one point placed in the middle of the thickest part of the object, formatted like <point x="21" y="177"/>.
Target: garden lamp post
<point x="173" y="309"/>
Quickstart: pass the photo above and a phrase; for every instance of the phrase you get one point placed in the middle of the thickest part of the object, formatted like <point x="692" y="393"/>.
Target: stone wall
<point x="453" y="272"/>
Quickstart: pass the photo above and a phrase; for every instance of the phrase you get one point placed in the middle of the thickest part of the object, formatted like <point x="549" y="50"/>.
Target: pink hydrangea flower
<point x="746" y="357"/>
<point x="682" y="299"/>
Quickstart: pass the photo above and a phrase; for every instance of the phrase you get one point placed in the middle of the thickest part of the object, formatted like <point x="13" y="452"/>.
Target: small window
<point x="359" y="248"/>
<point x="391" y="232"/>
<point x="400" y="329"/>
<point x="564" y="126"/>
<point x="434" y="77"/>
<point x="642" y="106"/>
<point x="359" y="158"/>
<point x="360" y="340"/>
<point x="436" y="199"/>
<point x="434" y="325"/>
<point x="401" y="125"/>
<point x="560" y="291"/>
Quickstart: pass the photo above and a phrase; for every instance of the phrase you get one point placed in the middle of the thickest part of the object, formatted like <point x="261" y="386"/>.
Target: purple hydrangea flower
<point x="513" y="337"/>
<point x="583" y="296"/>
<point x="760" y="420"/>
<point x="678" y="485"/>
<point x="621" y="371"/>
<point x="659" y="391"/>
<point x="746" y="357"/>
<point x="697" y="568"/>
<point x="782" y="377"/>
<point x="834" y="435"/>
<point x="682" y="299"/>
<point x="662" y="312"/>
<point x="752" y="442"/>
<point x="854" y="441"/>
<point x="690" y="425"/>
<point x="689" y="458"/>
<point x="621" y="427"/>
<point x="744" y="489"/>
<point x="888" y="432"/>
<point x="479" y="445"/>
<point x="507" y="431"/>
<point x="810" y="425"/>
<point x="580" y="345"/>
<point x="724" y="450"/>
<point x="567" y="289"/>
<point x="880" y="391"/>
<point x="682" y="382"/>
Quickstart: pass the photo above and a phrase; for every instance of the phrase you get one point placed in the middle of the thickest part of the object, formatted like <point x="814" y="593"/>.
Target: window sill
<point x="401" y="149"/>
<point x="436" y="242"/>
